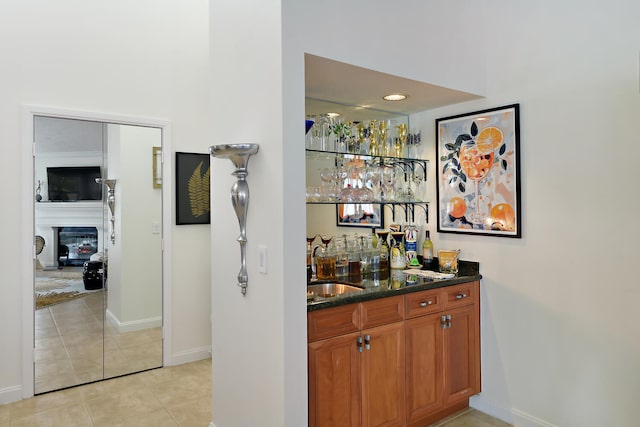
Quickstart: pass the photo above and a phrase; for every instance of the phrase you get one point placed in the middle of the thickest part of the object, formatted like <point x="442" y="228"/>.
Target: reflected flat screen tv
<point x="73" y="183"/>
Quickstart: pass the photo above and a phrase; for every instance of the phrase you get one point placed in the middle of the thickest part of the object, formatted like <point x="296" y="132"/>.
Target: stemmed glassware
<point x="401" y="141"/>
<point x="388" y="180"/>
<point x="476" y="162"/>
<point x="417" y="178"/>
<point x="383" y="132"/>
<point x="363" y="192"/>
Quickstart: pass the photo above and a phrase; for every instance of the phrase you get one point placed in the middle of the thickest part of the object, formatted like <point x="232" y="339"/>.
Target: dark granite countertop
<point x="397" y="284"/>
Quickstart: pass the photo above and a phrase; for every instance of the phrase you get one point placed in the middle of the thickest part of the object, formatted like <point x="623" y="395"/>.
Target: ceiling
<point x="59" y="135"/>
<point x="347" y="84"/>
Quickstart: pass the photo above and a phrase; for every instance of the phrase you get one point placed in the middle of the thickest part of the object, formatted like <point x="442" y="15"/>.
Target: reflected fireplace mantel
<point x="69" y="214"/>
<point x="49" y="216"/>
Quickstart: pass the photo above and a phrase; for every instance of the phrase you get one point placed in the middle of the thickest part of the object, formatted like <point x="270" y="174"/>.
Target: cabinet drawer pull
<point x="359" y="341"/>
<point x="425" y="303"/>
<point x="460" y="296"/>
<point x="367" y="342"/>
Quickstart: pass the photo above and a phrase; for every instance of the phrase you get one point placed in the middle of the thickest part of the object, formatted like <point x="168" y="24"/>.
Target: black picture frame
<point x="478" y="173"/>
<point x="193" y="188"/>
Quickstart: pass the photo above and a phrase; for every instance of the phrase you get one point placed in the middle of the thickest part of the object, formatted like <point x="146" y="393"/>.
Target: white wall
<point x="135" y="259"/>
<point x="559" y="335"/>
<point x="560" y="339"/>
<point x="249" y="356"/>
<point x="127" y="58"/>
<point x="259" y="341"/>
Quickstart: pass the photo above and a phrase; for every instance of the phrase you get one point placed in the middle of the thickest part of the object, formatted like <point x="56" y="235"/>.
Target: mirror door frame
<point x="28" y="225"/>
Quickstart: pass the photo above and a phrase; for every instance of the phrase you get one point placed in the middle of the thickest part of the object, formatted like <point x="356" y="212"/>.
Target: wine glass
<point x="401" y="141"/>
<point x="325" y="239"/>
<point x="388" y="181"/>
<point x="418" y="177"/>
<point x="363" y="192"/>
<point x="476" y="162"/>
<point x="375" y="172"/>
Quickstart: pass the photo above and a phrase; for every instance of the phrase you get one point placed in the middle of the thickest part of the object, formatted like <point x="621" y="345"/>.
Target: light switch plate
<point x="155" y="227"/>
<point x="262" y="259"/>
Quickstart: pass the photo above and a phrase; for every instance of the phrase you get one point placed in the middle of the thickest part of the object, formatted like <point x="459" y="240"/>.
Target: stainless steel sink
<point x="331" y="289"/>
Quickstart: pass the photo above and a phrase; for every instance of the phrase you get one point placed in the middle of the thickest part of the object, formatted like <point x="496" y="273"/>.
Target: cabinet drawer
<point x="422" y="303"/>
<point x="459" y="295"/>
<point x="382" y="311"/>
<point x="332" y="322"/>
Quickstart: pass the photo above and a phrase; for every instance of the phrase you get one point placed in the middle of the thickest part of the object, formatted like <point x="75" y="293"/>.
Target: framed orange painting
<point x="478" y="173"/>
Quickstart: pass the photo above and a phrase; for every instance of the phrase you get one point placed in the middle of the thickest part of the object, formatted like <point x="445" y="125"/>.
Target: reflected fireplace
<point x="76" y="244"/>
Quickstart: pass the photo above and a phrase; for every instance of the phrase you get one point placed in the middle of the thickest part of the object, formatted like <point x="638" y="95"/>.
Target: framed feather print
<point x="192" y="188"/>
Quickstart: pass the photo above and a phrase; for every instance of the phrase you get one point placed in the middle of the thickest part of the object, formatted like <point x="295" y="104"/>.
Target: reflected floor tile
<point x="55" y="383"/>
<point x="50" y="355"/>
<point x="52" y="343"/>
<point x="53" y="367"/>
<point x="50" y="332"/>
<point x="86" y="341"/>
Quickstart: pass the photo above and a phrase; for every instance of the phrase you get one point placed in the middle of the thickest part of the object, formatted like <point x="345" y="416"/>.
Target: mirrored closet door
<point x="98" y="272"/>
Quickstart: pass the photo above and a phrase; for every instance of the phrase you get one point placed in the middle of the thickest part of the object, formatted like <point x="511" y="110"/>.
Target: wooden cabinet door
<point x="383" y="376"/>
<point x="461" y="355"/>
<point x="425" y="380"/>
<point x="335" y="382"/>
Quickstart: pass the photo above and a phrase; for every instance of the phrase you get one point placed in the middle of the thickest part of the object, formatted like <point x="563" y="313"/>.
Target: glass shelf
<point x="338" y="202"/>
<point x="407" y="207"/>
<point x="332" y="155"/>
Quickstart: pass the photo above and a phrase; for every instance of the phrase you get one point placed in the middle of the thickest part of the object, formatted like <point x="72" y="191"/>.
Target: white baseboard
<point x="483" y="404"/>
<point x="134" y="325"/>
<point x="522" y="419"/>
<point x="10" y="394"/>
<point x="190" y="356"/>
<point x="508" y="415"/>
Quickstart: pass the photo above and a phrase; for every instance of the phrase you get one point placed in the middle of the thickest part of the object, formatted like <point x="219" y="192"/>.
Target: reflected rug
<point x="58" y="287"/>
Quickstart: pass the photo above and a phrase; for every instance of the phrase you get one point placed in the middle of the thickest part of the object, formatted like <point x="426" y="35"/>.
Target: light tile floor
<point x="171" y="396"/>
<point x="74" y="345"/>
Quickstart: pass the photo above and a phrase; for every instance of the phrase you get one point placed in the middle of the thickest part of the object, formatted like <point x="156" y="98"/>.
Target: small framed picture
<point x="478" y="172"/>
<point x="192" y="188"/>
<point x="369" y="215"/>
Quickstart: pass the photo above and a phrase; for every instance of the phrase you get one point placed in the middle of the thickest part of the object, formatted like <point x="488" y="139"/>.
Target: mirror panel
<point x="102" y="314"/>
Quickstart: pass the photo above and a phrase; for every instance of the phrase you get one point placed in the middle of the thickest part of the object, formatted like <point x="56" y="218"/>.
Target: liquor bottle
<point x="427" y="250"/>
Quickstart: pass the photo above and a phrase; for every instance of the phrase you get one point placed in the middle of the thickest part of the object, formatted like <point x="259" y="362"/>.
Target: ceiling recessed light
<point x="333" y="114"/>
<point x="394" y="97"/>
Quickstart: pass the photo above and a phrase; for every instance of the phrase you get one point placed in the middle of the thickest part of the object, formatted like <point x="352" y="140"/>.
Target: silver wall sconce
<point x="157" y="166"/>
<point x="111" y="202"/>
<point x="239" y="155"/>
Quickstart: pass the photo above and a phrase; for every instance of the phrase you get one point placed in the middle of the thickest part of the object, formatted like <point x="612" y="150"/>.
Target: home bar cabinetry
<point x="403" y="360"/>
